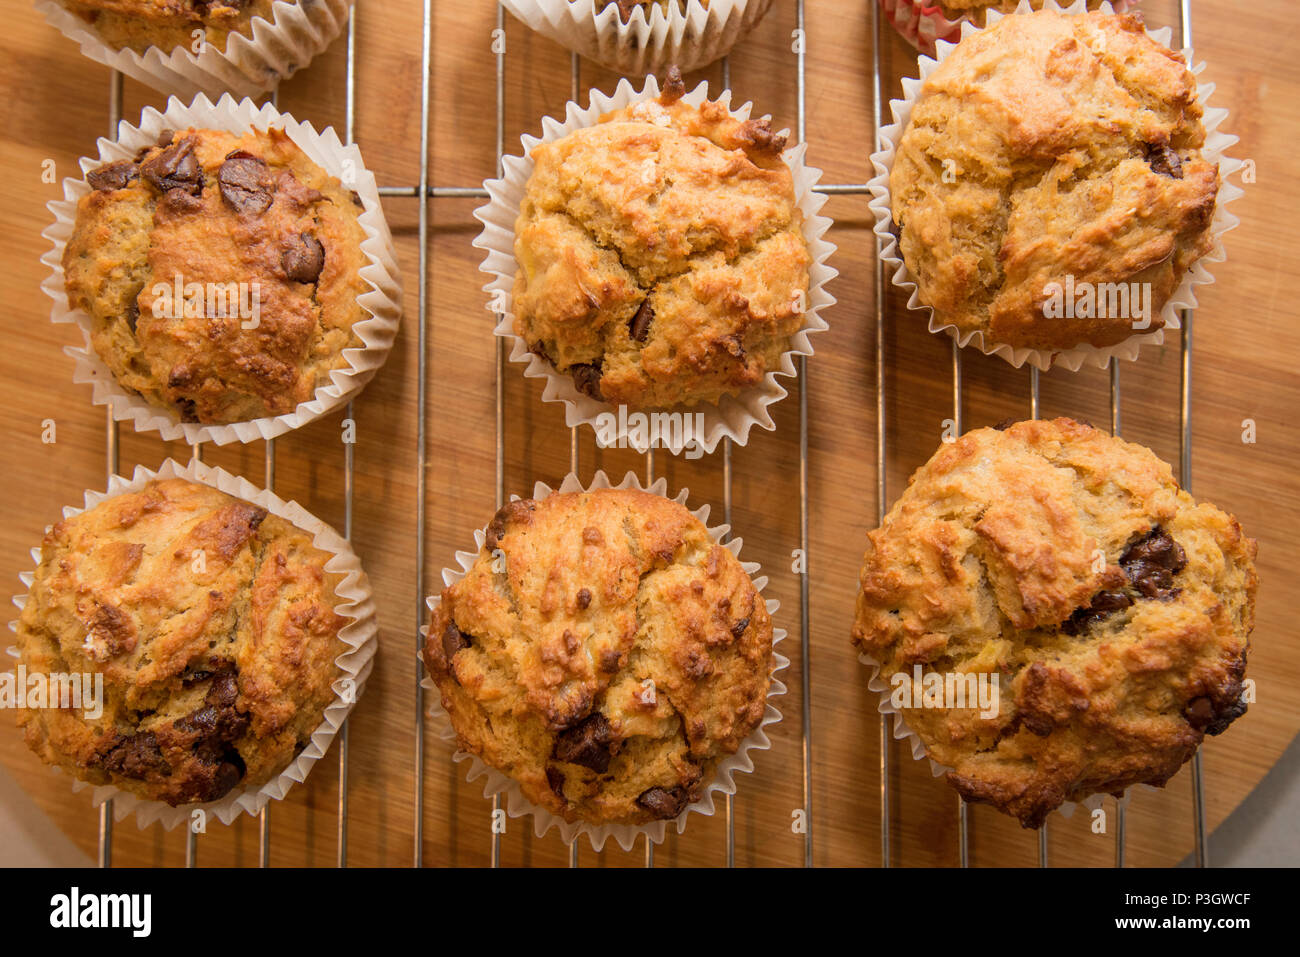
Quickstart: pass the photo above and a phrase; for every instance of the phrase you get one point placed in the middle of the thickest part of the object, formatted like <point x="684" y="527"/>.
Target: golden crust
<point x="545" y="665"/>
<point x="216" y="209"/>
<point x="213" y="625"/>
<point x="168" y="24"/>
<point x="661" y="257"/>
<point x="1018" y="553"/>
<point x="1052" y="146"/>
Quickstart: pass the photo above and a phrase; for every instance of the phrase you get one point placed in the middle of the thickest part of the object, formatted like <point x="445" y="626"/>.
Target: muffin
<point x="604" y="653"/>
<point x="220" y="272"/>
<point x="213" y="626"/>
<point x="1049" y="191"/>
<point x="636" y="37"/>
<point x="168" y="24"/>
<point x="1110" y="609"/>
<point x="660" y="255"/>
<point x="625" y="7"/>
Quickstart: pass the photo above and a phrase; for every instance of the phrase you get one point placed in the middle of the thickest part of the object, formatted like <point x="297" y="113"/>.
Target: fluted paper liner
<point x="733" y="416"/>
<point x="1183" y="296"/>
<point x="249" y="65"/>
<point x="921" y="23"/>
<point x="355" y="602"/>
<point x="653" y="38"/>
<point x="382" y="301"/>
<point x="723" y="782"/>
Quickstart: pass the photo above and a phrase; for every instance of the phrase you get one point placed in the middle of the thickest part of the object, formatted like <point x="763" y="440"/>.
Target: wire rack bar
<point x="421" y="440"/>
<point x="1185" y="479"/>
<point x="877" y="112"/>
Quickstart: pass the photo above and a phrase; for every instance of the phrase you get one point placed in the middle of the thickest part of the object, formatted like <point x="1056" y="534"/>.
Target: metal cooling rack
<point x="424" y="191"/>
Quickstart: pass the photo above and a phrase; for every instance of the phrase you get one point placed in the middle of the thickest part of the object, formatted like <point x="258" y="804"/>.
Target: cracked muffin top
<point x="168" y="24"/>
<point x="213" y="625"/>
<point x="221" y="273"/>
<point x="661" y="255"/>
<point x="1050" y="151"/>
<point x="604" y="653"/>
<point x="1113" y="610"/>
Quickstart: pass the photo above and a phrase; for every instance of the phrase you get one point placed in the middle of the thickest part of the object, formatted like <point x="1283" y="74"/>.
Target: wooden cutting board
<point x="1244" y="368"/>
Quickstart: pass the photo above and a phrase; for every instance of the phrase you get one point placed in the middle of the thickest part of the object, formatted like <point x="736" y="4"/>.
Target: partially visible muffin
<point x="604" y="653"/>
<point x="661" y="257"/>
<point x="625" y="7"/>
<point x="168" y="24"/>
<point x="1047" y="153"/>
<point x="247" y="220"/>
<point x="1112" y="610"/>
<point x="213" y="625"/>
<point x="978" y="10"/>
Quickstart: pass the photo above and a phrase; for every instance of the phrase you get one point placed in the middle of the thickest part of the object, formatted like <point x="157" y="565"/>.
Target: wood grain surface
<point x="54" y="107"/>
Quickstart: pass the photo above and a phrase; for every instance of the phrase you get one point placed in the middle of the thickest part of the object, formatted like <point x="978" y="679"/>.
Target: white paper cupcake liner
<point x="278" y="47"/>
<point x="904" y="732"/>
<point x="652" y="40"/>
<point x="922" y="23"/>
<point x="382" y="301"/>
<point x="1183" y="296"/>
<point x="733" y="416"/>
<point x="359" y="635"/>
<point x="724" y="776"/>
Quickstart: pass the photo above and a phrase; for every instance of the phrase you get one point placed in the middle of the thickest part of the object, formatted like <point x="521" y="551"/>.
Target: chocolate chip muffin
<point x="661" y="258"/>
<point x="604" y="653"/>
<point x="212" y="623"/>
<point x="1113" y="610"/>
<point x="168" y="24"/>
<point x="221" y="273"/>
<point x="1054" y="156"/>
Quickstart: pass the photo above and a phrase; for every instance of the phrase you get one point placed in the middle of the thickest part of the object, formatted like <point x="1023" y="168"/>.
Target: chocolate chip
<point x="246" y="183"/>
<point x="187" y="410"/>
<point x="112" y="176"/>
<point x="136" y="756"/>
<point x="590" y="744"/>
<point x="674" y="88"/>
<point x="453" y="640"/>
<point x="177" y="201"/>
<point x="1104" y="603"/>
<point x="584" y="598"/>
<point x="639" y="327"/>
<point x="1151" y="563"/>
<point x="1163" y="160"/>
<point x="176" y="167"/>
<point x="356" y="200"/>
<point x="539" y="349"/>
<point x="1004" y="424"/>
<point x="665" y="804"/>
<point x="1199" y="712"/>
<point x="555" y="778"/>
<point x="739" y="628"/>
<point x="303" y="261"/>
<point x="586" y="379"/>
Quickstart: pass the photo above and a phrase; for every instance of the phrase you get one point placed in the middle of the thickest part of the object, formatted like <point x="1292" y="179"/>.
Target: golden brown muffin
<point x="1048" y="150"/>
<point x="661" y="258"/>
<point x="1114" y="610"/>
<point x="250" y="217"/>
<point x="213" y="625"/>
<point x="167" y="24"/>
<point x="604" y="653"/>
